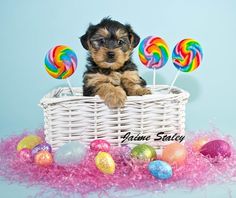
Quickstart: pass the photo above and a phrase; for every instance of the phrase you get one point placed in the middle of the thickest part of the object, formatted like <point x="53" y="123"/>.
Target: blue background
<point x="30" y="28"/>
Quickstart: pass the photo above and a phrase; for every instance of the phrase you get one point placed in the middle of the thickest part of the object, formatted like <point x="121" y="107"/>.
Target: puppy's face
<point x="110" y="49"/>
<point x="110" y="43"/>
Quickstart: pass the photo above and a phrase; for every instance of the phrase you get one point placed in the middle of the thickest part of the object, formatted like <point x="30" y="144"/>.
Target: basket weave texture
<point x="69" y="118"/>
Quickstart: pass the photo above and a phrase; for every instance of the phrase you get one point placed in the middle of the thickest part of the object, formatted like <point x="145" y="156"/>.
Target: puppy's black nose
<point x="110" y="54"/>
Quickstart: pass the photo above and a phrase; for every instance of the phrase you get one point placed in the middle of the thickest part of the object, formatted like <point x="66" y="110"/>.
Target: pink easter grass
<point x="84" y="178"/>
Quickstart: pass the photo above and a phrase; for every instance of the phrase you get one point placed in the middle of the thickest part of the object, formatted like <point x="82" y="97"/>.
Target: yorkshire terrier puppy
<point x="111" y="74"/>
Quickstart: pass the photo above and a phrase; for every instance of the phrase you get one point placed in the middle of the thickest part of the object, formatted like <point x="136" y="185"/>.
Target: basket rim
<point x="176" y="93"/>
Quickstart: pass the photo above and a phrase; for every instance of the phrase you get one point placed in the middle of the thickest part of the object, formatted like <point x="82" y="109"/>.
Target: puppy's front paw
<point x="115" y="78"/>
<point x="115" y="97"/>
<point x="143" y="91"/>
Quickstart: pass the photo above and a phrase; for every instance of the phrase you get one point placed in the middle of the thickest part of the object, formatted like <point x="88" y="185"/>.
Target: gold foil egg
<point x="29" y="142"/>
<point x="105" y="163"/>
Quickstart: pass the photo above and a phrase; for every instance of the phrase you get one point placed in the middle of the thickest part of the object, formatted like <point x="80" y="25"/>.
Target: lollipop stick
<point x="154" y="78"/>
<point x="70" y="87"/>
<point x="173" y="82"/>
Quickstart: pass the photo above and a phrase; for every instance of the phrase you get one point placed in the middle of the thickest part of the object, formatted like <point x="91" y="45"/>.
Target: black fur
<point x="112" y="26"/>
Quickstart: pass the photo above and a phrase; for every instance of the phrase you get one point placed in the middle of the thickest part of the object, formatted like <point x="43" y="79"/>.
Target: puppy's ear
<point x="133" y="37"/>
<point x="84" y="41"/>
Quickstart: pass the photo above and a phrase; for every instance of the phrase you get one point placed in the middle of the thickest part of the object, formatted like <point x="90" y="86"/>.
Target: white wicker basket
<point x="82" y="118"/>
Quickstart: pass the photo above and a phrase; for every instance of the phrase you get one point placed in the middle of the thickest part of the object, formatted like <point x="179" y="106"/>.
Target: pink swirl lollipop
<point x="153" y="52"/>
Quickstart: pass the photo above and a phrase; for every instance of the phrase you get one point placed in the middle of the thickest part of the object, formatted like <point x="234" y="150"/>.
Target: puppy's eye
<point x="121" y="42"/>
<point x="101" y="41"/>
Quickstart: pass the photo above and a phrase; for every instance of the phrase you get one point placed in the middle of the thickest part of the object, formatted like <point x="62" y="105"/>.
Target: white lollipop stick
<point x="154" y="78"/>
<point x="70" y="87"/>
<point x="173" y="82"/>
<point x="154" y="74"/>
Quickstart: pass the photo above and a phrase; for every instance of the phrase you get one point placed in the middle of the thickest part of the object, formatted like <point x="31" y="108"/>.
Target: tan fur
<point x="95" y="80"/>
<point x="103" y="32"/>
<point x="120" y="33"/>
<point x="108" y="88"/>
<point x="99" y="57"/>
<point x="131" y="76"/>
<point x="131" y="83"/>
<point x="115" y="78"/>
<point x="113" y="96"/>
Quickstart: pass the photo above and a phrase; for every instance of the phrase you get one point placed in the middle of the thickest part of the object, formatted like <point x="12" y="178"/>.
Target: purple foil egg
<point x="125" y="152"/>
<point x="216" y="148"/>
<point x="25" y="155"/>
<point x="41" y="147"/>
<point x="100" y="145"/>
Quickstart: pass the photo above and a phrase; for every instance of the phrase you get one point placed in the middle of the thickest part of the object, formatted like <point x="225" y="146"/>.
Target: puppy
<point x="111" y="74"/>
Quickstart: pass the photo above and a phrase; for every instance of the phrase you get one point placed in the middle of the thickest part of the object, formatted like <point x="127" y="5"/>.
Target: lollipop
<point x="153" y="53"/>
<point x="60" y="62"/>
<point x="187" y="55"/>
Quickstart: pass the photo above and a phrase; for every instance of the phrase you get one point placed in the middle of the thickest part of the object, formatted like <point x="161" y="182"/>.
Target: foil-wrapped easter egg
<point x="125" y="152"/>
<point x="29" y="142"/>
<point x="100" y="145"/>
<point x="40" y="147"/>
<point x="105" y="163"/>
<point x="25" y="155"/>
<point x="174" y="154"/>
<point x="143" y="152"/>
<point x="160" y="169"/>
<point x="216" y="148"/>
<point x="43" y="158"/>
<point x="71" y="153"/>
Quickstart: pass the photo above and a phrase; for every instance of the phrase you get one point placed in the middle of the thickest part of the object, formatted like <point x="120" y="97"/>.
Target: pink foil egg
<point x="100" y="145"/>
<point x="25" y="155"/>
<point x="216" y="148"/>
